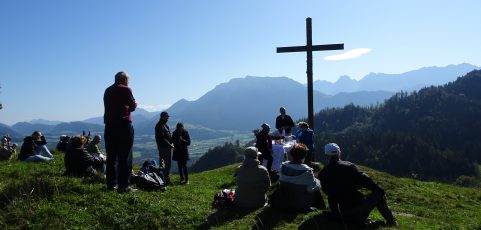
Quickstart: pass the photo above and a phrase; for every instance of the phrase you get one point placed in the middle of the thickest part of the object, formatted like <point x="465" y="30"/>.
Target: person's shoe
<point x="112" y="188"/>
<point x="126" y="190"/>
<point x="182" y="181"/>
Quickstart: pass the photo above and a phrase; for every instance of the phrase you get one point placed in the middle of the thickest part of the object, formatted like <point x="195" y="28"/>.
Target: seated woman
<point x="298" y="188"/>
<point x="78" y="161"/>
<point x="252" y="181"/>
<point x="31" y="152"/>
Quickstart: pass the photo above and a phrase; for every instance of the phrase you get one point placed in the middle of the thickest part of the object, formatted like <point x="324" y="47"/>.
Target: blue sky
<point x="57" y="57"/>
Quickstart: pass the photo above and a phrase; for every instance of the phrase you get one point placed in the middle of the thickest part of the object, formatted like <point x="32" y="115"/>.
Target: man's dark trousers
<point x="119" y="139"/>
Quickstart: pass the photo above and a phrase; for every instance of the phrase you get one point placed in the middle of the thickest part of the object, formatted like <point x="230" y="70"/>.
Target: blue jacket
<point x="306" y="137"/>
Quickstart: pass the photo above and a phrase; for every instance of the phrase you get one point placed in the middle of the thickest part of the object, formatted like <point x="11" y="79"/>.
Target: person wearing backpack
<point x="181" y="141"/>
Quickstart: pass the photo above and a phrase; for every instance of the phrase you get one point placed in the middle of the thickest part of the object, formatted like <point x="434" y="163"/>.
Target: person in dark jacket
<point x="181" y="141"/>
<point x="164" y="143"/>
<point x="264" y="145"/>
<point x="78" y="161"/>
<point x="340" y="180"/>
<point x="33" y="147"/>
<point x="284" y="122"/>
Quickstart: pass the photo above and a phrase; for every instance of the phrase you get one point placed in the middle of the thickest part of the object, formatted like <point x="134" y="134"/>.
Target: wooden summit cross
<point x="308" y="48"/>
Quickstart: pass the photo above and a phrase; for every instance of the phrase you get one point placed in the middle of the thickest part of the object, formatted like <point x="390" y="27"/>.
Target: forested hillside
<point x="431" y="134"/>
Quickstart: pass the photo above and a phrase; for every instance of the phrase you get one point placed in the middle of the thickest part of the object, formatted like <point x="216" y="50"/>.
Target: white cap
<point x="332" y="149"/>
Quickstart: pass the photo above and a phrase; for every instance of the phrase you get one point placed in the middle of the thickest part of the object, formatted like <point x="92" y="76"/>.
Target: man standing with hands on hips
<point x="163" y="137"/>
<point x="119" y="133"/>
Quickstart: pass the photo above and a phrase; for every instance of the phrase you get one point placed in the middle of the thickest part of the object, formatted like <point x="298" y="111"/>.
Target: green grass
<point x="38" y="196"/>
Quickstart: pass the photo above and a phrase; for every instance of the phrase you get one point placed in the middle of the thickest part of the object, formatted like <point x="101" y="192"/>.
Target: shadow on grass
<point x="224" y="215"/>
<point x="269" y="217"/>
<point x="321" y="221"/>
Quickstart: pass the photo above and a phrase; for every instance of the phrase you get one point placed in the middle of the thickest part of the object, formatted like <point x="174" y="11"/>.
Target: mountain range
<point x="408" y="81"/>
<point x="245" y="103"/>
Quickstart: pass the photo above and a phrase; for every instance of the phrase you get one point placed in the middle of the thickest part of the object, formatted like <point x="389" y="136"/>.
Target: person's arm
<point x="267" y="181"/>
<point x="132" y="104"/>
<point x="278" y="123"/>
<point x="365" y="181"/>
<point x="290" y="122"/>
<point x="42" y="140"/>
<point x="186" y="138"/>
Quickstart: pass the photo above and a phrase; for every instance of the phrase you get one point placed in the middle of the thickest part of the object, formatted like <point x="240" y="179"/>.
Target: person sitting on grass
<point x="252" y="181"/>
<point x="298" y="189"/>
<point x="78" y="161"/>
<point x="33" y="147"/>
<point x="63" y="143"/>
<point x="94" y="149"/>
<point x="341" y="180"/>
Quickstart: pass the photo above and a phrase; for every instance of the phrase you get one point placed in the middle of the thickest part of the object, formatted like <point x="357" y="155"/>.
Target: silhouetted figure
<point x="63" y="143"/>
<point x="78" y="161"/>
<point x="264" y="145"/>
<point x="119" y="133"/>
<point x="252" y="181"/>
<point x="341" y="180"/>
<point x="164" y="143"/>
<point x="284" y="123"/>
<point x="181" y="141"/>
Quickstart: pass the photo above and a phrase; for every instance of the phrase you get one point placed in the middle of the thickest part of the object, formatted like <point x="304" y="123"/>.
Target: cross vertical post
<point x="308" y="48"/>
<point x="309" y="72"/>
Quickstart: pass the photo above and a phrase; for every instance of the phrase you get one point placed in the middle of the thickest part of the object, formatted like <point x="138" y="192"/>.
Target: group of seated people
<point x="299" y="189"/>
<point x="82" y="157"/>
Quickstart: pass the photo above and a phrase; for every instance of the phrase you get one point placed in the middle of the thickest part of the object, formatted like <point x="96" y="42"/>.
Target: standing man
<point x="284" y="122"/>
<point x="164" y="143"/>
<point x="119" y="133"/>
<point x="341" y="181"/>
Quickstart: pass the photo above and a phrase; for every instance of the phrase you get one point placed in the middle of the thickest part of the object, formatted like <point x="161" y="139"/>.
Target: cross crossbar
<point x="308" y="48"/>
<point x="291" y="49"/>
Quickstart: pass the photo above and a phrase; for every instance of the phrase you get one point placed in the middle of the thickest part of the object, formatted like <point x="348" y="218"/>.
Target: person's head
<point x="122" y="78"/>
<point x="282" y="110"/>
<point x="179" y="125"/>
<point x="77" y="141"/>
<point x="298" y="153"/>
<point x="164" y="116"/>
<point x="332" y="151"/>
<point x="266" y="127"/>
<point x="251" y="153"/>
<point x="36" y="134"/>
<point x="97" y="139"/>
<point x="303" y="125"/>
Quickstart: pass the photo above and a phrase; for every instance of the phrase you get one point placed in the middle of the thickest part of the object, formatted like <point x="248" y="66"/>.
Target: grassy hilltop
<point x="38" y="196"/>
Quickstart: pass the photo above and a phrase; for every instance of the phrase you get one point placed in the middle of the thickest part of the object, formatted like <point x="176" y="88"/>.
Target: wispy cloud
<point x="350" y="54"/>
<point x="153" y="108"/>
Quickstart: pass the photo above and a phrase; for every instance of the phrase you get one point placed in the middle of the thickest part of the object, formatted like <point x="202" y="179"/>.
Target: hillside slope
<point x="38" y="196"/>
<point x="430" y="134"/>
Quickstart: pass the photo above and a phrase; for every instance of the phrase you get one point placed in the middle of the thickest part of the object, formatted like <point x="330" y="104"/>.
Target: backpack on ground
<point x="148" y="181"/>
<point x="224" y="198"/>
